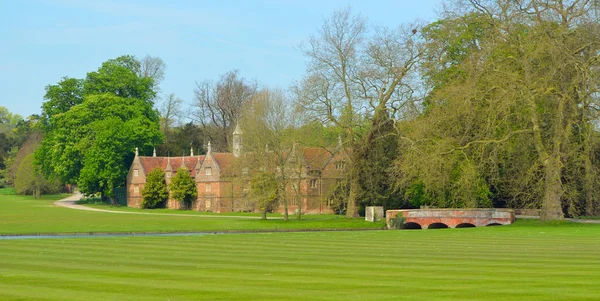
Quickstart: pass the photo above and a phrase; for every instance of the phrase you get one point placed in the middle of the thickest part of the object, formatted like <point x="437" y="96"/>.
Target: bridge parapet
<point x="452" y="218"/>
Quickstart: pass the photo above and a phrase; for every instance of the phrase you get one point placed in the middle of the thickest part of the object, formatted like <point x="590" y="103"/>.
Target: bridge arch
<point x="493" y="224"/>
<point x="465" y="225"/>
<point x="437" y="226"/>
<point x="411" y="226"/>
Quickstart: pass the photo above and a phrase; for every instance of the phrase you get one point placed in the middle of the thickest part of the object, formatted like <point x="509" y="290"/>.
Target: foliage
<point x="7" y="191"/>
<point x="182" y="138"/>
<point x="352" y="75"/>
<point x="269" y="139"/>
<point x="92" y="201"/>
<point x="29" y="180"/>
<point x="120" y="77"/>
<point x="91" y="142"/>
<point x="14" y="132"/>
<point x="510" y="116"/>
<point x="397" y="222"/>
<point x="264" y="190"/>
<point x="183" y="187"/>
<point x="376" y="178"/>
<point x="61" y="97"/>
<point x="155" y="192"/>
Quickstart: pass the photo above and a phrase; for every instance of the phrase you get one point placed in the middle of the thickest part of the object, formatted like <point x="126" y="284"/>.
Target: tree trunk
<point x="352" y="209"/>
<point x="264" y="213"/>
<point x="113" y="199"/>
<point x="551" y="205"/>
<point x="283" y="196"/>
<point x="299" y="191"/>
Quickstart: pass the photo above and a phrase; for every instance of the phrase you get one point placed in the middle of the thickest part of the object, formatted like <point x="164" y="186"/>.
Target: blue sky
<point x="42" y="41"/>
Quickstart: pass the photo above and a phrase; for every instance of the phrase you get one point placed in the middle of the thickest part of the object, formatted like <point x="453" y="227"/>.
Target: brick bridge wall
<point x="453" y="217"/>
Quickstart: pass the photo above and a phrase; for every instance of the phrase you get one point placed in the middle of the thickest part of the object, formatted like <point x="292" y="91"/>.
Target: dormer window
<point x="208" y="171"/>
<point x="340" y="165"/>
<point x="136" y="172"/>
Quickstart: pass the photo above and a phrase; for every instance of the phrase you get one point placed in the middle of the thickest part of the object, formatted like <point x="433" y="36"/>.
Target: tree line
<point x="493" y="104"/>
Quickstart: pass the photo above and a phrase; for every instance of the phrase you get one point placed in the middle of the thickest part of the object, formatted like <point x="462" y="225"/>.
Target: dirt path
<point x="69" y="202"/>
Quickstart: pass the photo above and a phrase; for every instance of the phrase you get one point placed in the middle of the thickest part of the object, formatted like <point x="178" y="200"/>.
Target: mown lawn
<point x="525" y="261"/>
<point x="25" y="215"/>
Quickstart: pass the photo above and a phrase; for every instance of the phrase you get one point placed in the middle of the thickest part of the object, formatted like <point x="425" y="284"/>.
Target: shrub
<point x="183" y="187"/>
<point x="155" y="192"/>
<point x="93" y="201"/>
<point x="397" y="222"/>
<point x="29" y="180"/>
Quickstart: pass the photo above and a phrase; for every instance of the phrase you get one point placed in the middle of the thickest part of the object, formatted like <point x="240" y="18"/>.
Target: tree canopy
<point x="90" y="141"/>
<point x="155" y="192"/>
<point x="183" y="187"/>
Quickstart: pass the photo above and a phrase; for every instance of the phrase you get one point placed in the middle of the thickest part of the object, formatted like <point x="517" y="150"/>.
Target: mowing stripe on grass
<point x="469" y="264"/>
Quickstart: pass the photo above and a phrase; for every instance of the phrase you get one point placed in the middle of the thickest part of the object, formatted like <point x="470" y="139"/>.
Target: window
<point x="168" y="174"/>
<point x="245" y="170"/>
<point x="208" y="187"/>
<point x="136" y="190"/>
<point x="208" y="204"/>
<point x="136" y="172"/>
<point x="208" y="171"/>
<point x="340" y="165"/>
<point x="313" y="183"/>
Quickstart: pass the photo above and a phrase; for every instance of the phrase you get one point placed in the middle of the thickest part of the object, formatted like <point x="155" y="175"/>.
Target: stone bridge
<point x="452" y="218"/>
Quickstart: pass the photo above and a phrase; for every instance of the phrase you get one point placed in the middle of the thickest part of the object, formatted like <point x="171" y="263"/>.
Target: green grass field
<point x="24" y="215"/>
<point x="521" y="262"/>
<point x="525" y="261"/>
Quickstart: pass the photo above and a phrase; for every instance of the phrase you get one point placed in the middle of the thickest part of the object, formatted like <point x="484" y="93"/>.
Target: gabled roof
<point x="150" y="163"/>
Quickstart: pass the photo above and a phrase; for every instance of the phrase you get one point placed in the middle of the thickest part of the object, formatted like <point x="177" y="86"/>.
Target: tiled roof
<point x="224" y="161"/>
<point x="150" y="163"/>
<point x="316" y="157"/>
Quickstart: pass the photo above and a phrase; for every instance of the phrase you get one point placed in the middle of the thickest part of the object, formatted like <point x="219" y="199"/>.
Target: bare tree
<point x="218" y="106"/>
<point x="350" y="77"/>
<point x="153" y="67"/>
<point x="170" y="114"/>
<point x="267" y="123"/>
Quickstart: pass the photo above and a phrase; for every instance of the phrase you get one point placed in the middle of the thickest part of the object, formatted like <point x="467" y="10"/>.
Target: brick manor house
<point x="223" y="181"/>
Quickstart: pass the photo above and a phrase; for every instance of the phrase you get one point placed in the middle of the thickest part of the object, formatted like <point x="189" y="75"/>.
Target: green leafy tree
<point x="92" y="144"/>
<point x="376" y="178"/>
<point x="61" y="97"/>
<point x="29" y="180"/>
<point x="183" y="187"/>
<point x="264" y="190"/>
<point x="155" y="192"/>
<point x="120" y="77"/>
